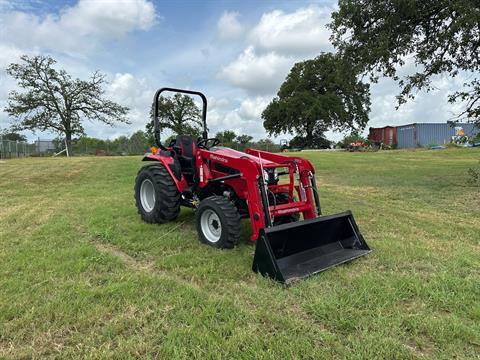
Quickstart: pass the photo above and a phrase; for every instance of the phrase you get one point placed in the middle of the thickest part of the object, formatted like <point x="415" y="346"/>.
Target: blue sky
<point x="236" y="52"/>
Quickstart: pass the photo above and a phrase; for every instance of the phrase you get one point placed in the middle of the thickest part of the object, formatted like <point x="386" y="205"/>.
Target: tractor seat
<point x="185" y="149"/>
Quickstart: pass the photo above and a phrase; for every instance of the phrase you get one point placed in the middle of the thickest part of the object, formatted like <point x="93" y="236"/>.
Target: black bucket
<point x="293" y="251"/>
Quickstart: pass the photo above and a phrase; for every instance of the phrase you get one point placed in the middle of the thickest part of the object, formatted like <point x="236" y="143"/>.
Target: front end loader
<point x="277" y="193"/>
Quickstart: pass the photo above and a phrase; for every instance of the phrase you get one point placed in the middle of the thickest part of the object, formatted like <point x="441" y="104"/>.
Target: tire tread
<point x="232" y="218"/>
<point x="169" y="200"/>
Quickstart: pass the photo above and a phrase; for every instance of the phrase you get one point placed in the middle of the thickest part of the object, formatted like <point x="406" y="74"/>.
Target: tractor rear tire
<point x="156" y="195"/>
<point x="218" y="222"/>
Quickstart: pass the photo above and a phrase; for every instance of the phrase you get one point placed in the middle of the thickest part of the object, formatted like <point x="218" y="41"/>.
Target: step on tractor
<point x="277" y="193"/>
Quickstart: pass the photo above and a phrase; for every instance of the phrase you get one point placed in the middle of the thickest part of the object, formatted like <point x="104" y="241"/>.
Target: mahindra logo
<point x="218" y="158"/>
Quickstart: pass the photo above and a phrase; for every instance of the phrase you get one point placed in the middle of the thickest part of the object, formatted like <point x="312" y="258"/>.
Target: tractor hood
<point x="220" y="150"/>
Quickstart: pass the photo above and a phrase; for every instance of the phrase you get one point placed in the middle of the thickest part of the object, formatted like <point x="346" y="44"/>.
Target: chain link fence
<point x="123" y="148"/>
<point x="15" y="149"/>
<point x="88" y="146"/>
<point x="117" y="147"/>
<point x="10" y="149"/>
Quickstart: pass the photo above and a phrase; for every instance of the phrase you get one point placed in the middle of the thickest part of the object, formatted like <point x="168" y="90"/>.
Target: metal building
<point x="424" y="134"/>
<point x="386" y="135"/>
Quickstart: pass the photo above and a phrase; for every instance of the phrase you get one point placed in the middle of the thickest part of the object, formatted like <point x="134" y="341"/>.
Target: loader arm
<point x="244" y="174"/>
<point x="244" y="182"/>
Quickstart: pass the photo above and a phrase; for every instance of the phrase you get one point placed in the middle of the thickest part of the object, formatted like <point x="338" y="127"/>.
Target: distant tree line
<point x="229" y="138"/>
<point x="12" y="136"/>
<point x="136" y="144"/>
<point x="140" y="142"/>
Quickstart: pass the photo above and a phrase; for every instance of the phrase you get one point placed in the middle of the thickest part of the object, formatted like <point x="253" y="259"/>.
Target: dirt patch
<point x="143" y="266"/>
<point x="125" y="258"/>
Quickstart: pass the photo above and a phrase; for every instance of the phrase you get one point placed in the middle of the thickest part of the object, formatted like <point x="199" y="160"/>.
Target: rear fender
<point x="169" y="163"/>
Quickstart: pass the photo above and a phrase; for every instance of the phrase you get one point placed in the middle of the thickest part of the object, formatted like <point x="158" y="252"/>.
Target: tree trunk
<point x="309" y="138"/>
<point x="68" y="140"/>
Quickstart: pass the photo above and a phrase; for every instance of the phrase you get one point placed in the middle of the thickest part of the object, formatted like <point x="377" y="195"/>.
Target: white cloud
<point x="133" y="92"/>
<point x="217" y="103"/>
<point x="130" y="91"/>
<point x="257" y="73"/>
<point x="301" y="32"/>
<point x="243" y="118"/>
<point x="228" y="26"/>
<point x="252" y="108"/>
<point x="426" y="107"/>
<point x="277" y="42"/>
<point x="243" y="125"/>
<point x="8" y="54"/>
<point x="109" y="18"/>
<point x="78" y="28"/>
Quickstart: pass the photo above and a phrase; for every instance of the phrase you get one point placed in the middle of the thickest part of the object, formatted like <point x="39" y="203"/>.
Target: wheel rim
<point x="147" y="195"/>
<point x="211" y="225"/>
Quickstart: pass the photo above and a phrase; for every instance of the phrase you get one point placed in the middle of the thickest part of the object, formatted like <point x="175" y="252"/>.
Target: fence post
<point x="66" y="147"/>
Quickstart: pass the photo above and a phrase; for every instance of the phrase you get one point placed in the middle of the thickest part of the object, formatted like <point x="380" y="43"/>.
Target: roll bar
<point x="155" y="113"/>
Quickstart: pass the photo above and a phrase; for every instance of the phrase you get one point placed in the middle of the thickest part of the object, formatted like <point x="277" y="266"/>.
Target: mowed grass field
<point x="81" y="276"/>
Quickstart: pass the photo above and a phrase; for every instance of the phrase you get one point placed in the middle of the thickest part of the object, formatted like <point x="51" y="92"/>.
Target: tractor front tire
<point x="218" y="222"/>
<point x="156" y="195"/>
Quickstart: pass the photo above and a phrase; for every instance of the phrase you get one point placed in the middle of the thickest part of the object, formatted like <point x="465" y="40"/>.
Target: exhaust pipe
<point x="292" y="251"/>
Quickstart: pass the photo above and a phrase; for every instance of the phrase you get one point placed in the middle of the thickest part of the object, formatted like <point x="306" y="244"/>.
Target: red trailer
<point x="386" y="135"/>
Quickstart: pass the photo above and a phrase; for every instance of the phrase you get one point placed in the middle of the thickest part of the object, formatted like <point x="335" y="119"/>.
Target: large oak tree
<point x="178" y="113"/>
<point x="54" y="101"/>
<point x="318" y="95"/>
<point x="441" y="37"/>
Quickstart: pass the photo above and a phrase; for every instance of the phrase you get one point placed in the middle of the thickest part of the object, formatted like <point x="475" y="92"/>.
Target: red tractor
<point x="223" y="186"/>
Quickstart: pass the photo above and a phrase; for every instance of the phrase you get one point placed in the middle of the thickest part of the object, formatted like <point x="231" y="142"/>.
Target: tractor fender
<point x="172" y="165"/>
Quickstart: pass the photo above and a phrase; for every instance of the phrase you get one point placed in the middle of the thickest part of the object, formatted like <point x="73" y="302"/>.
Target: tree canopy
<point x="178" y="113"/>
<point x="244" y="139"/>
<point x="377" y="37"/>
<point x="12" y="136"/>
<point x="317" y="95"/>
<point x="54" y="101"/>
<point x="226" y="137"/>
<point x="319" y="141"/>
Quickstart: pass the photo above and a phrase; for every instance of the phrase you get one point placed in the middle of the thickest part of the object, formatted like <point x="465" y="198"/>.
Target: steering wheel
<point x="205" y="143"/>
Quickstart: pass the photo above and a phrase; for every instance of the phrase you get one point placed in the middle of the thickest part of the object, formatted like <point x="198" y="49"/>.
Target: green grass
<point x="82" y="276"/>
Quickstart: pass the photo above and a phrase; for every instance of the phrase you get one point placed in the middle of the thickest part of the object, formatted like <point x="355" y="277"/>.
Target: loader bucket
<point x="293" y="251"/>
